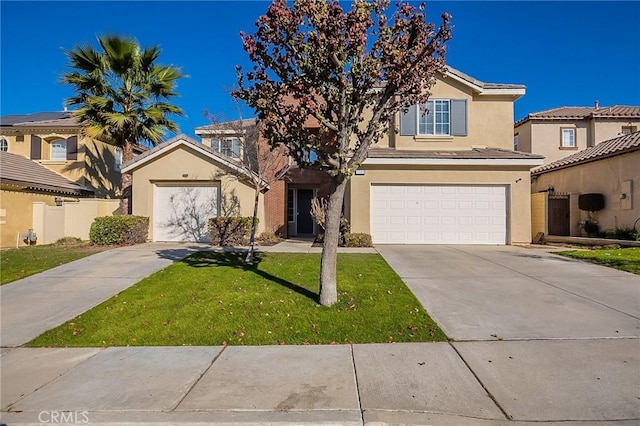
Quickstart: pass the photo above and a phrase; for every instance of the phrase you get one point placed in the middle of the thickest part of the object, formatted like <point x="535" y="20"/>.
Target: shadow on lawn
<point x="235" y="259"/>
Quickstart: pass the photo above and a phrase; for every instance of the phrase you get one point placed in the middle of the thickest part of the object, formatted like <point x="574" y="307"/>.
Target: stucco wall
<point x="609" y="129"/>
<point x="546" y="139"/>
<point x="605" y="176"/>
<point x="539" y="214"/>
<point x="18" y="214"/>
<point x="489" y="121"/>
<point x="186" y="165"/>
<point x="518" y="193"/>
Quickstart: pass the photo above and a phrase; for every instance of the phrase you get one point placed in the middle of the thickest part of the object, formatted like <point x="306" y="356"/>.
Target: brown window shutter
<point x="36" y="148"/>
<point x="72" y="148"/>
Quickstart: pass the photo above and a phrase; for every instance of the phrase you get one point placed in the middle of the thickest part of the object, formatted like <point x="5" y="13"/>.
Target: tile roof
<point x="482" y="84"/>
<point x="606" y="149"/>
<point x="475" y="153"/>
<point x="19" y="170"/>
<point x="582" y="113"/>
<point x="225" y="126"/>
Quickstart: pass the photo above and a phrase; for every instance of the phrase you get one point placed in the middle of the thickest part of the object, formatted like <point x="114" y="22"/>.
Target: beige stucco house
<point x="611" y="168"/>
<point x="560" y="132"/>
<point x="55" y="181"/>
<point x="446" y="177"/>
<point x="181" y="183"/>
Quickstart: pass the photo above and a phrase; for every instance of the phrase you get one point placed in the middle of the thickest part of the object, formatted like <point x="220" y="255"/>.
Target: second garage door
<point x="181" y="212"/>
<point x="445" y="214"/>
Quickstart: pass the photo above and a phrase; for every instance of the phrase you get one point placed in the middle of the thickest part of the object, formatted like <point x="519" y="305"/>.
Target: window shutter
<point x="36" y="148"/>
<point x="72" y="148"/>
<point x="458" y="117"/>
<point x="408" y="122"/>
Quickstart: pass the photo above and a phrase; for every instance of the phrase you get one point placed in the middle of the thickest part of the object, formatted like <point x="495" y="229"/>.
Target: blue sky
<point x="566" y="53"/>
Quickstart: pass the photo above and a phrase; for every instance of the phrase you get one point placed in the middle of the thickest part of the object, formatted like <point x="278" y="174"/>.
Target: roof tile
<point x="615" y="146"/>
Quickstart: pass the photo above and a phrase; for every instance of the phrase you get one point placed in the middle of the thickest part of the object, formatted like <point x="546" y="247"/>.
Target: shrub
<point x="357" y="239"/>
<point x="268" y="238"/>
<point x="68" y="241"/>
<point x="625" y="233"/>
<point x="229" y="230"/>
<point x="119" y="230"/>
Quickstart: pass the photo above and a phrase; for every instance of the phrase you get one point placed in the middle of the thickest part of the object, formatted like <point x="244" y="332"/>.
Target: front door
<point x="304" y="220"/>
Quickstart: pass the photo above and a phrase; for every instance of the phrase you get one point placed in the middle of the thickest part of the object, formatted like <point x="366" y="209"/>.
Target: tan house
<point x="446" y="177"/>
<point x="611" y="168"/>
<point x="560" y="132"/>
<point x="181" y="183"/>
<point x="55" y="181"/>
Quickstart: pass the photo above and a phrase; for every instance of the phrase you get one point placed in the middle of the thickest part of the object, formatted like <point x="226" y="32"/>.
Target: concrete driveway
<point x="506" y="292"/>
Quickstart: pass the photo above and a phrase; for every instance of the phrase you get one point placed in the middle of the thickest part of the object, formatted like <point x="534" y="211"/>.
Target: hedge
<point x="119" y="230"/>
<point x="230" y="230"/>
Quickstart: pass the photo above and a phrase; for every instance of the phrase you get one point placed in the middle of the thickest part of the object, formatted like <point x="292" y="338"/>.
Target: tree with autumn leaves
<point x="319" y="70"/>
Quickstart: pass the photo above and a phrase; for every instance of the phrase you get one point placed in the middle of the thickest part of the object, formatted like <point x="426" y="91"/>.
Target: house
<point x="610" y="168"/>
<point x="446" y="177"/>
<point x="181" y="183"/>
<point x="53" y="179"/>
<point x="54" y="140"/>
<point x="560" y="132"/>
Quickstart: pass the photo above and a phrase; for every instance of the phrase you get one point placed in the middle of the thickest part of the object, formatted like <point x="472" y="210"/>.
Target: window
<point x="310" y="156"/>
<point x="627" y="130"/>
<point x="4" y="144"/>
<point x="568" y="138"/>
<point x="290" y="204"/>
<point x="58" y="149"/>
<point x="433" y="118"/>
<point x="228" y="146"/>
<point x="515" y="142"/>
<point x="117" y="159"/>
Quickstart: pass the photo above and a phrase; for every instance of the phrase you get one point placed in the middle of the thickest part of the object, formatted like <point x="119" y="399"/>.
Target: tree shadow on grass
<point x="236" y="259"/>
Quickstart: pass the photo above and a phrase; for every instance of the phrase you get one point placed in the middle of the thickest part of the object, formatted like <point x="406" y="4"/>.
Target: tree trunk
<point x="328" y="283"/>
<point x="127" y="179"/>
<point x="254" y="219"/>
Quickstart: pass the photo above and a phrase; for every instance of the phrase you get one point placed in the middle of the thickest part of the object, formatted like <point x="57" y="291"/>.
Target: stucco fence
<point x="50" y="217"/>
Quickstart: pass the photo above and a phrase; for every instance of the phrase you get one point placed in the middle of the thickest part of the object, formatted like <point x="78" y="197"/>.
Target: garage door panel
<point x="181" y="212"/>
<point x="431" y="214"/>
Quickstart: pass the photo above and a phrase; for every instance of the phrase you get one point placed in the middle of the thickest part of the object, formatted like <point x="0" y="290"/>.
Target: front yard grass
<point x="24" y="261"/>
<point x="214" y="298"/>
<point x="627" y="259"/>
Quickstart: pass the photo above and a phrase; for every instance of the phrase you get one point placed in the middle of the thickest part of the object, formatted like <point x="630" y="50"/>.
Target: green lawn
<point x="627" y="259"/>
<point x="215" y="298"/>
<point x="24" y="261"/>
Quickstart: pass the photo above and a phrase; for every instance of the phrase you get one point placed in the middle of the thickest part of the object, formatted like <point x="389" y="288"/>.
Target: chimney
<point x="596" y="104"/>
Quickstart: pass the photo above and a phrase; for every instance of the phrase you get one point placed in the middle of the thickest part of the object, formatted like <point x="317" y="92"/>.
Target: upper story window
<point x="437" y="117"/>
<point x="228" y="146"/>
<point x="4" y="144"/>
<point x="627" y="130"/>
<point x="58" y="149"/>
<point x="515" y="142"/>
<point x="568" y="138"/>
<point x="434" y="117"/>
<point x="117" y="153"/>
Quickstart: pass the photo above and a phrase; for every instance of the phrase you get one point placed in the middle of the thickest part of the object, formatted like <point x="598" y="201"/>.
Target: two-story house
<point x="563" y="131"/>
<point x="47" y="163"/>
<point x="449" y="176"/>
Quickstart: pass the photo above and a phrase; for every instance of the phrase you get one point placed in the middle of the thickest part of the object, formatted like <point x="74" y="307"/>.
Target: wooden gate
<point x="558" y="214"/>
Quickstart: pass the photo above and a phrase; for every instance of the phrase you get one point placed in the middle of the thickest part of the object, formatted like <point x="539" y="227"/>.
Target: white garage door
<point x="181" y="212"/>
<point x="427" y="214"/>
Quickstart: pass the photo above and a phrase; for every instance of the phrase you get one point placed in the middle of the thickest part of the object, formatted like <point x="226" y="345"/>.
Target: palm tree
<point x="122" y="96"/>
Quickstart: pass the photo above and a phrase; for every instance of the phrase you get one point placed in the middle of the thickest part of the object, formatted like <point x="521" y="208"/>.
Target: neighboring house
<point x="560" y="132"/>
<point x="447" y="177"/>
<point x="54" y="140"/>
<point x="54" y="180"/>
<point x="611" y="168"/>
<point x="181" y="183"/>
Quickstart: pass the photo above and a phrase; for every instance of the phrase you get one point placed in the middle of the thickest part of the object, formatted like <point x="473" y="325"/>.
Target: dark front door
<point x="304" y="220"/>
<point x="559" y="215"/>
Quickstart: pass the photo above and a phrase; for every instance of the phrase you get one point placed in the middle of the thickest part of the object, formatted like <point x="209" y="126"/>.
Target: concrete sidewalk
<point x="470" y="383"/>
